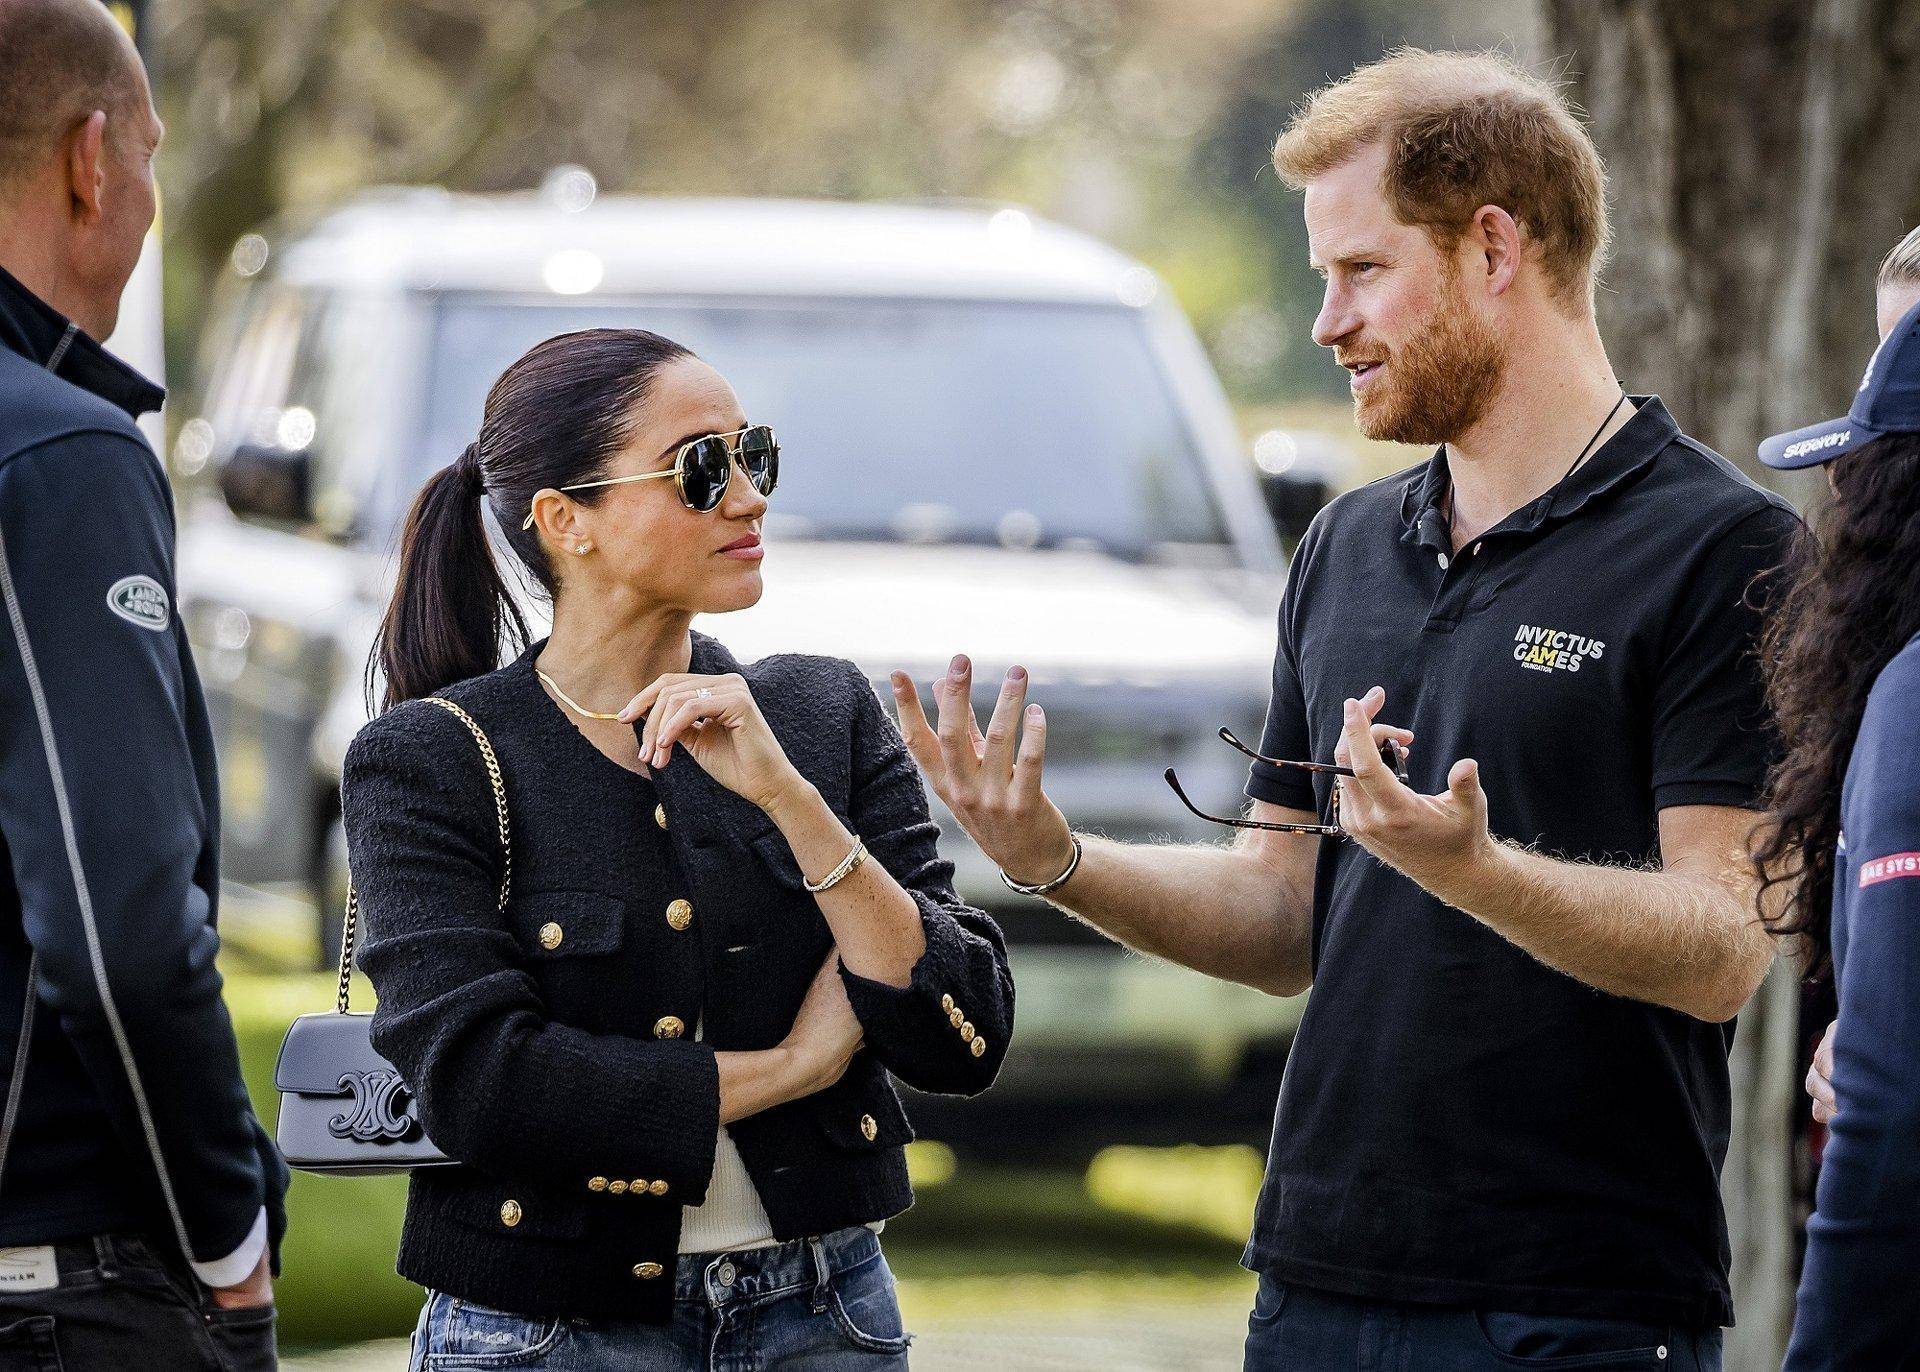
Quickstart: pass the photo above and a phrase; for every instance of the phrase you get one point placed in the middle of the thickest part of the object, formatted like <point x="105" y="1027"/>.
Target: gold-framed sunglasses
<point x="703" y="466"/>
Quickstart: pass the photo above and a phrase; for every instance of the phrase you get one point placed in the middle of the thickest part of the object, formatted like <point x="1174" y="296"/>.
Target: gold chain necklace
<point x="570" y="702"/>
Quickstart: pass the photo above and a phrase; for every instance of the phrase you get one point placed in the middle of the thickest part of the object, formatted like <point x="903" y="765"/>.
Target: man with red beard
<point x="1500" y="1132"/>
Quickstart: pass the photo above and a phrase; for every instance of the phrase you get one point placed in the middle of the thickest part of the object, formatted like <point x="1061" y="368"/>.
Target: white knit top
<point x="732" y="1217"/>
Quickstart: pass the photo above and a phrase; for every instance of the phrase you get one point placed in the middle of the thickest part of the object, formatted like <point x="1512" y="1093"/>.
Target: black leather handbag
<point x="344" y="1109"/>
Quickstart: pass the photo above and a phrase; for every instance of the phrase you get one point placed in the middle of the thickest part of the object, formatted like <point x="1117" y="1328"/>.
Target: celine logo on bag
<point x="382" y="1108"/>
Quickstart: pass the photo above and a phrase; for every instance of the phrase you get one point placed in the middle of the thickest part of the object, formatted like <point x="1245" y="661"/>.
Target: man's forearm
<point x="1222" y="911"/>
<point x="1680" y="938"/>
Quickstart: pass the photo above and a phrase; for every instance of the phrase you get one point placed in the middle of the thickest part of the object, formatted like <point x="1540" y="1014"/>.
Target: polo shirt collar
<point x="38" y="332"/>
<point x="1638" y="441"/>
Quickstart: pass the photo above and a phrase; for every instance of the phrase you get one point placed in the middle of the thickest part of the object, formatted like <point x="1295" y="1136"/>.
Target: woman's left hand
<point x="716" y="720"/>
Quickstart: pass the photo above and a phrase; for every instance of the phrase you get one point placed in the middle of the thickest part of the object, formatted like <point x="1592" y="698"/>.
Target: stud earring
<point x="581" y="547"/>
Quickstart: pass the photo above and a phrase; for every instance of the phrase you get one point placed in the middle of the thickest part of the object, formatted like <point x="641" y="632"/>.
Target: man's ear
<point x="86" y="162"/>
<point x="1496" y="242"/>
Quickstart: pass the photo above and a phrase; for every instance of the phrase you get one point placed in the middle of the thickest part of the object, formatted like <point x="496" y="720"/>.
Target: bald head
<point x="60" y="60"/>
<point x="77" y="141"/>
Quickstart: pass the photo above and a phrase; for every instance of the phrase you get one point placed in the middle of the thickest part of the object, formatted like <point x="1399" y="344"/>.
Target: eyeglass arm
<point x="1323" y="830"/>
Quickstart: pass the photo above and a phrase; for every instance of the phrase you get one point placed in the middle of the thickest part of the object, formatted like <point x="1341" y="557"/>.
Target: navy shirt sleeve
<point x="1856" y="1305"/>
<point x="105" y="826"/>
<point x="1285" y="734"/>
<point x="1710" y="742"/>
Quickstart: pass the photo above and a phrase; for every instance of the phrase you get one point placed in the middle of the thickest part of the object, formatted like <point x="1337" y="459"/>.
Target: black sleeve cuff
<point x="946" y="1030"/>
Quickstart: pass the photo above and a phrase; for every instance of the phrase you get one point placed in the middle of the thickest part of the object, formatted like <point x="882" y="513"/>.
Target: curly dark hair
<point x="1852" y="603"/>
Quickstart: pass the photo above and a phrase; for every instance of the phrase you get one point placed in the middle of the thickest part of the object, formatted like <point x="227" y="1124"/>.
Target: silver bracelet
<point x="1041" y="889"/>
<point x="839" y="874"/>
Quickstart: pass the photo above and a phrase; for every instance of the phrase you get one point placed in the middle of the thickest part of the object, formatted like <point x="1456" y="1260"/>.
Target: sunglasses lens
<point x="703" y="476"/>
<point x="760" y="456"/>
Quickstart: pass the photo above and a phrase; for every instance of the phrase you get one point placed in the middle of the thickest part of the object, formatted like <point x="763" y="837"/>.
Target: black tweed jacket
<point x="551" y="1046"/>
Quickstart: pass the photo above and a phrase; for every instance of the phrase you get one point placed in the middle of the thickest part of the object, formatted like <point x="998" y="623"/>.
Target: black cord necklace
<point x="1584" y="452"/>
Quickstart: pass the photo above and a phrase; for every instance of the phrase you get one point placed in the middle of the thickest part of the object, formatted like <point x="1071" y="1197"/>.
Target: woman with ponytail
<point x="1838" y="852"/>
<point x="653" y="1013"/>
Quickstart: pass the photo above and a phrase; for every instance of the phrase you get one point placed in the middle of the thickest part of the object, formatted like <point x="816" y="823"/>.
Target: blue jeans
<point x="1294" y="1328"/>
<point x="813" y="1305"/>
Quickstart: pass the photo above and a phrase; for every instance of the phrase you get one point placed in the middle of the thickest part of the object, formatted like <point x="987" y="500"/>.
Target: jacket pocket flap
<point x="560" y="924"/>
<point x="510" y="1211"/>
<point x="867" y="1123"/>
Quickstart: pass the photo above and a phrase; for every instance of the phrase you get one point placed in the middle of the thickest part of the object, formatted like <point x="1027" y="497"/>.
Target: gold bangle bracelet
<point x="839" y="874"/>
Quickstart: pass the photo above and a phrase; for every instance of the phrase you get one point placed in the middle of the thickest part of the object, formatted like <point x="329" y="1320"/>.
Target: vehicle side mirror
<point x="1299" y="473"/>
<point x="263" y="480"/>
<point x="1293" y="499"/>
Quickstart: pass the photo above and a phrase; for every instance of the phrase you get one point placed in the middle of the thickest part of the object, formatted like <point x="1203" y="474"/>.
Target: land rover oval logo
<point x="139" y="600"/>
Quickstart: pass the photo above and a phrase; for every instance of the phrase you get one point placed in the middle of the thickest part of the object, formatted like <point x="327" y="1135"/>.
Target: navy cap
<point x="1887" y="402"/>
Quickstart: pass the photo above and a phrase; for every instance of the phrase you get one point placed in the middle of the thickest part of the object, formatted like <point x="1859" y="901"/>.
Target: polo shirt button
<point x="1443" y="562"/>
<point x="647" y="1271"/>
<point x="1661" y="1352"/>
<point x="550" y="935"/>
<point x="668" y="1027"/>
<point x="680" y="914"/>
<point x="510" y="1213"/>
<point x="660" y="815"/>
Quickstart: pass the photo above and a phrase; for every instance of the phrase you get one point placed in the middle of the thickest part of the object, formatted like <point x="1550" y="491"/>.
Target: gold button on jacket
<point x="550" y="935"/>
<point x="668" y="1027"/>
<point x="660" y="815"/>
<point x="510" y="1213"/>
<point x="967" y="1031"/>
<point x="680" y="914"/>
<point x="868" y="1128"/>
<point x="619" y="1188"/>
<point x="657" y="1188"/>
<point x="596" y="1183"/>
<point x="647" y="1271"/>
<point x="978" y="1048"/>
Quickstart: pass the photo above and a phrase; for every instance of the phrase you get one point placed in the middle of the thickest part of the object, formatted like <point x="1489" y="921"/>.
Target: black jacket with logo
<point x="551" y="1046"/>
<point x="126" y="1104"/>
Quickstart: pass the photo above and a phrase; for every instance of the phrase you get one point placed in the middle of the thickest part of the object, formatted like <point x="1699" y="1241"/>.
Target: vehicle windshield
<point x="1022" y="425"/>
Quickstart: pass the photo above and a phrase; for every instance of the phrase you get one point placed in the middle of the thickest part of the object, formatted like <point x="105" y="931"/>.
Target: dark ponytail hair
<point x="554" y="418"/>
<point x="1853" y="602"/>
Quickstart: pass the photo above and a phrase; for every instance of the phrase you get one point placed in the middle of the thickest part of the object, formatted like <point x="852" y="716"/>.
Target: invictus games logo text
<point x="1553" y="650"/>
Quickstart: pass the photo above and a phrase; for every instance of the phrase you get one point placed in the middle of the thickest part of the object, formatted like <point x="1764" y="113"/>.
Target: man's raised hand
<point x="990" y="781"/>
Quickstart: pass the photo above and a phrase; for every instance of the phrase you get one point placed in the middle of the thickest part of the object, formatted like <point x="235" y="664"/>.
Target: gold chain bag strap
<point x="344" y="1109"/>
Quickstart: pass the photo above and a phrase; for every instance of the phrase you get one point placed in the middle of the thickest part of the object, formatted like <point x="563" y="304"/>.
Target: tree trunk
<point x="1762" y="157"/>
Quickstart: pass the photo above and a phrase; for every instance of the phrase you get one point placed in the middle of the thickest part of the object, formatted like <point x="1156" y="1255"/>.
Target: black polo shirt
<point x="1459" y="1123"/>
